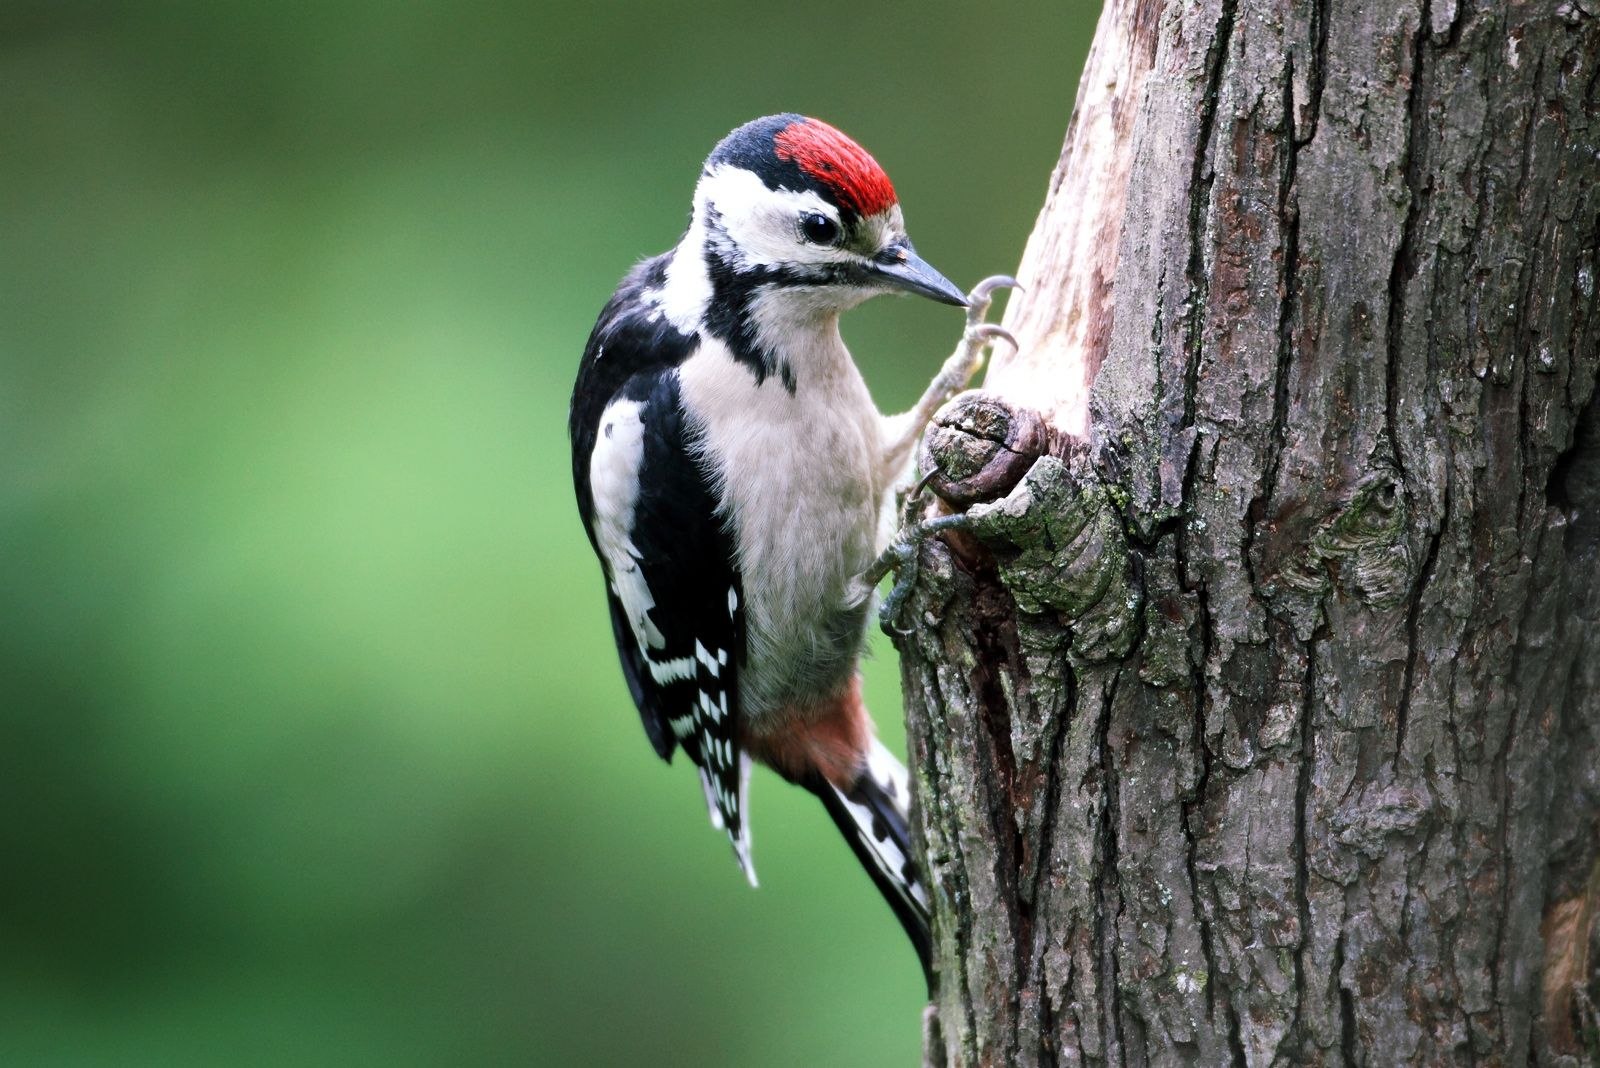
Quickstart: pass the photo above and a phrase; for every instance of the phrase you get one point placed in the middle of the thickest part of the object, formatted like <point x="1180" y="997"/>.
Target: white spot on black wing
<point x="724" y="768"/>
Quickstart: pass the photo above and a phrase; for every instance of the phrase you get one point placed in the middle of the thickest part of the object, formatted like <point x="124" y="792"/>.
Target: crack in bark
<point x="1413" y="622"/>
<point x="995" y="643"/>
<point x="1107" y="882"/>
<point x="1404" y="267"/>
<point x="1189" y="807"/>
<point x="1202" y="751"/>
<point x="1347" y="1008"/>
<point x="1314" y="86"/>
<point x="1302" y="868"/>
<point x="1201" y="181"/>
<point x="1236" y="1056"/>
<point x="1047" y="841"/>
<point x="1289" y="295"/>
<point x="1201" y="178"/>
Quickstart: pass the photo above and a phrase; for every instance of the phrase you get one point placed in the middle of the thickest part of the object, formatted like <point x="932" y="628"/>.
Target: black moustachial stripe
<point x="729" y="315"/>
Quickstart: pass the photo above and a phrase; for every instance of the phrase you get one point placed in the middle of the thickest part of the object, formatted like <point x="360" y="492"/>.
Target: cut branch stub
<point x="1060" y="548"/>
<point x="1037" y="504"/>
<point x="979" y="446"/>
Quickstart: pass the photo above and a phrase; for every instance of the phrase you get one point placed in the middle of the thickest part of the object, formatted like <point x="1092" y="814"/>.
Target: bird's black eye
<point x="819" y="229"/>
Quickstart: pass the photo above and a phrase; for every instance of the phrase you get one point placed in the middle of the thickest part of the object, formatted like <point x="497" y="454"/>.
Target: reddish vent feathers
<point x="838" y="163"/>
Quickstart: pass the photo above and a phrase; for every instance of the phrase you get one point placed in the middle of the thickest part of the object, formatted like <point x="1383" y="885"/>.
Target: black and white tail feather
<point x="874" y="817"/>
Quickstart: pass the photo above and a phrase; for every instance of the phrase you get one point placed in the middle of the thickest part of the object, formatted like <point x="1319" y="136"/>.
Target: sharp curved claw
<point x="992" y="332"/>
<point x="889" y="621"/>
<point x="889" y="611"/>
<point x="902" y="557"/>
<point x="984" y="289"/>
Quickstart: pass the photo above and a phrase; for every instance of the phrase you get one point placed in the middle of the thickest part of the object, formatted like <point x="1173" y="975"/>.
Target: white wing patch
<point x="614" y="485"/>
<point x="614" y="469"/>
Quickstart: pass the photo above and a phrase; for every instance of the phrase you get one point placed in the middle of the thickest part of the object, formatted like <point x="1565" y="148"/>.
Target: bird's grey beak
<point x="900" y="266"/>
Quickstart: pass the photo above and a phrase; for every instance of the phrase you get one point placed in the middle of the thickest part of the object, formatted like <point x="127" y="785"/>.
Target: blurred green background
<point x="313" y="746"/>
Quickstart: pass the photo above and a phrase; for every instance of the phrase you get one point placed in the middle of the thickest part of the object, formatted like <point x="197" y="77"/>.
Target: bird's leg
<point x="901" y="431"/>
<point x="901" y="558"/>
<point x="900" y="436"/>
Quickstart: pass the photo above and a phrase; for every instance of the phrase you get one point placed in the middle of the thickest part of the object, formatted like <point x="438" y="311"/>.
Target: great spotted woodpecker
<point x="734" y="477"/>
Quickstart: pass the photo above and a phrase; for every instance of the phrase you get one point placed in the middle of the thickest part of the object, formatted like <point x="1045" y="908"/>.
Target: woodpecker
<point x="734" y="477"/>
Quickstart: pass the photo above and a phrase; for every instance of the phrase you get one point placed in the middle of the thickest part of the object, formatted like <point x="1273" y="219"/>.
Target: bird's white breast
<point x="799" y="475"/>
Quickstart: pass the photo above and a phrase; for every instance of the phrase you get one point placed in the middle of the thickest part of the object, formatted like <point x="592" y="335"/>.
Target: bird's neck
<point x="686" y="292"/>
<point x="783" y="331"/>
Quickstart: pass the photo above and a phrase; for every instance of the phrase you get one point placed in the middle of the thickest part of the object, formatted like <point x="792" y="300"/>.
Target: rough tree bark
<point x="1259" y="722"/>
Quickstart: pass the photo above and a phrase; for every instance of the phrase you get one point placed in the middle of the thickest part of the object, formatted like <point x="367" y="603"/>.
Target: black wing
<point x="677" y="606"/>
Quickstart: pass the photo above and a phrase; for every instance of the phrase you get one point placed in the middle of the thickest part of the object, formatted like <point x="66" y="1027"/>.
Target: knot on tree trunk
<point x="1361" y="546"/>
<point x="979" y="446"/>
<point x="1037" y="506"/>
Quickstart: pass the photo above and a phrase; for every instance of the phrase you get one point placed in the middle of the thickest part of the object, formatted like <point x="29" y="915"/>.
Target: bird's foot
<point x="976" y="338"/>
<point x="982" y="296"/>
<point x="901" y="558"/>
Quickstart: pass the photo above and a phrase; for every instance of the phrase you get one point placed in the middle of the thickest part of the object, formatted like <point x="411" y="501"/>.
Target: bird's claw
<point x="980" y="335"/>
<point x="982" y="296"/>
<point x="893" y="606"/>
<point x="988" y="333"/>
<point x="983" y="292"/>
<point x="901" y="557"/>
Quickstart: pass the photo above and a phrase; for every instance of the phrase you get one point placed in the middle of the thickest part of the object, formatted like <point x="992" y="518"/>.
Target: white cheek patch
<point x="762" y="224"/>
<point x="614" y="485"/>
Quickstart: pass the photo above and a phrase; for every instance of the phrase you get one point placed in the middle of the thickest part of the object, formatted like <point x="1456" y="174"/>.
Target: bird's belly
<point x="806" y="542"/>
<point x="801" y="482"/>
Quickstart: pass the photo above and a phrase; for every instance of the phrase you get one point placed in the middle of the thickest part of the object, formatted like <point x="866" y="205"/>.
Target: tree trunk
<point x="1259" y="723"/>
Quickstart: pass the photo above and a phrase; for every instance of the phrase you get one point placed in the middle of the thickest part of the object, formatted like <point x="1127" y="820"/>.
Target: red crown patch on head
<point x="837" y="162"/>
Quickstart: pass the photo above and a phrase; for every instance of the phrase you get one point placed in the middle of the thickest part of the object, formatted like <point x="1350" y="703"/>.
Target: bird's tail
<point x="874" y="817"/>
